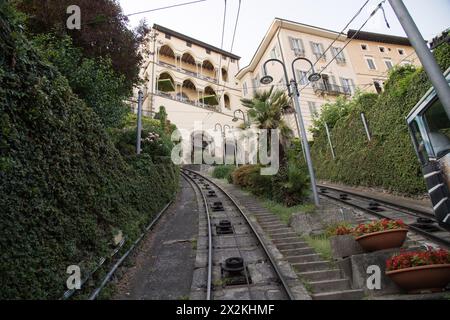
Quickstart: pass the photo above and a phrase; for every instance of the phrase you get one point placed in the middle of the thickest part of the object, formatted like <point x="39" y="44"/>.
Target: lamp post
<point x="235" y="119"/>
<point x="223" y="139"/>
<point x="293" y="91"/>
<point x="139" y="123"/>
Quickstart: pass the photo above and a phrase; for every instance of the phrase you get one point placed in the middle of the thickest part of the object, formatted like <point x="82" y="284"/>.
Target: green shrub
<point x="65" y="190"/>
<point x="223" y="171"/>
<point x="388" y="160"/>
<point x="242" y="175"/>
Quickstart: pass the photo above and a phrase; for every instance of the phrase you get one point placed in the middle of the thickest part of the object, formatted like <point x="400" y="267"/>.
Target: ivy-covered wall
<point x="65" y="189"/>
<point x="388" y="160"/>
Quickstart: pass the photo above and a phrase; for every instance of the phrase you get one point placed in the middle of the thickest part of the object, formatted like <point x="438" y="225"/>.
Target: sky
<point x="204" y="20"/>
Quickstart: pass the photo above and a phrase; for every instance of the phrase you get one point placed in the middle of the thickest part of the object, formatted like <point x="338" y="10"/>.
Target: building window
<point x="364" y="47"/>
<point x="378" y="87"/>
<point x="312" y="108"/>
<point x="371" y="63"/>
<point x="317" y="49"/>
<point x="273" y="53"/>
<point x="189" y="44"/>
<point x="224" y="57"/>
<point x="401" y="52"/>
<point x="244" y="88"/>
<point x="302" y="77"/>
<point x="347" y="85"/>
<point x="297" y="46"/>
<point x="338" y="54"/>
<point x="232" y="60"/>
<point x="382" y="49"/>
<point x="208" y="51"/>
<point x="389" y="64"/>
<point x="167" y="36"/>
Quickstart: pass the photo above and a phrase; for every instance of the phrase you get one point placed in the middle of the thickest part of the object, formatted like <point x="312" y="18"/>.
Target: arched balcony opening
<point x="167" y="56"/>
<point x="209" y="97"/>
<point x="189" y="91"/>
<point x="188" y="64"/>
<point x="208" y="69"/>
<point x="165" y="83"/>
<point x="224" y="75"/>
<point x="227" y="102"/>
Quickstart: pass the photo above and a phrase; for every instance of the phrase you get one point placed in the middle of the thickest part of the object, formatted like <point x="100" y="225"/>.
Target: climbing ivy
<point x="388" y="160"/>
<point x="65" y="190"/>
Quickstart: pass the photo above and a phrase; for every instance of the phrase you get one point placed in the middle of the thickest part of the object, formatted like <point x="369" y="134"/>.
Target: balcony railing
<point x="185" y="100"/>
<point x="331" y="89"/>
<point x="188" y="72"/>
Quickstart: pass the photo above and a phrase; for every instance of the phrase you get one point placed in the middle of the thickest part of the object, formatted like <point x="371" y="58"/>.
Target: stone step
<point x="311" y="266"/>
<point x="284" y="236"/>
<point x="304" y="258"/>
<point x="330" y="285"/>
<point x="286" y="240"/>
<point x="268" y="226"/>
<point x="296" y="245"/>
<point x="282" y="229"/>
<point x="320" y="275"/>
<point x="357" y="294"/>
<point x="269" y="219"/>
<point x="297" y="252"/>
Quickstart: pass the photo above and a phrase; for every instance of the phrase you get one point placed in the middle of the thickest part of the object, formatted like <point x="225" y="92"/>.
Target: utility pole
<point x="305" y="141"/>
<point x="139" y="123"/>
<point x="423" y="52"/>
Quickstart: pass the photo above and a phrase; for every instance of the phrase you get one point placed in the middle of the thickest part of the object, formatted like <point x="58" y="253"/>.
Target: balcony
<point x="331" y="89"/>
<point x="185" y="100"/>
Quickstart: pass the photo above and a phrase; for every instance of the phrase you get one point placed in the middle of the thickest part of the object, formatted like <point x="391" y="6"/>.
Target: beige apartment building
<point x="373" y="55"/>
<point x="195" y="81"/>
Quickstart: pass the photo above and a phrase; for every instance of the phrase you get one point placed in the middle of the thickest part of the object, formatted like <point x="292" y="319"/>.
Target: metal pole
<point x="305" y="141"/>
<point x="423" y="52"/>
<point x="329" y="140"/>
<point x="366" y="127"/>
<point x="139" y="123"/>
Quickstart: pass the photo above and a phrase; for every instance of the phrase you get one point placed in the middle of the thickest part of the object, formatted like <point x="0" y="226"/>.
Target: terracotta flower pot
<point x="432" y="278"/>
<point x="382" y="239"/>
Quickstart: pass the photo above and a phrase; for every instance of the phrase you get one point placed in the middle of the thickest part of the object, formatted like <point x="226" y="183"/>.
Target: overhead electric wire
<point x="166" y="7"/>
<point x="380" y="5"/>
<point x="342" y="32"/>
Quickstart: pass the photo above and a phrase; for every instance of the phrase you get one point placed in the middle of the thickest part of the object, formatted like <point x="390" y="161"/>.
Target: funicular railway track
<point x="239" y="264"/>
<point x="419" y="221"/>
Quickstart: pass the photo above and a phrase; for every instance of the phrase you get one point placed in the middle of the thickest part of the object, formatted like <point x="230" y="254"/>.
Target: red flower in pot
<point x="420" y="271"/>
<point x="381" y="234"/>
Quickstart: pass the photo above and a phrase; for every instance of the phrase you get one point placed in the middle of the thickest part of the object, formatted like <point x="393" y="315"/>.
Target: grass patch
<point x="284" y="212"/>
<point x="321" y="245"/>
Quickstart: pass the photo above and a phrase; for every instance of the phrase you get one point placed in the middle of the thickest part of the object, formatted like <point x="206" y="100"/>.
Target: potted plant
<point x="420" y="271"/>
<point x="342" y="242"/>
<point x="381" y="234"/>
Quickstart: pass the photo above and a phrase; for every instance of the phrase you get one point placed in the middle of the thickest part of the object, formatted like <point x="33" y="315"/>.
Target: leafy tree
<point x="266" y="111"/>
<point x="93" y="80"/>
<point x="104" y="32"/>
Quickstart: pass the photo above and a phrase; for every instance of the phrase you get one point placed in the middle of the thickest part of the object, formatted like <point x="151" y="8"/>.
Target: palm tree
<point x="266" y="111"/>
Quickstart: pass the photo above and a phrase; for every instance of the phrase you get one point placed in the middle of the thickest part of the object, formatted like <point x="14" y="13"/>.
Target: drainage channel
<point x="240" y="266"/>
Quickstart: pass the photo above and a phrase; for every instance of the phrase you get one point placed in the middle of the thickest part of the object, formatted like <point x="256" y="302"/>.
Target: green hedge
<point x="65" y="190"/>
<point x="388" y="161"/>
<point x="224" y="172"/>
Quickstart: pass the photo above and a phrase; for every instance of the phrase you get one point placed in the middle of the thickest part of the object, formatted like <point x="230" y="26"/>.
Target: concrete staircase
<point x="321" y="278"/>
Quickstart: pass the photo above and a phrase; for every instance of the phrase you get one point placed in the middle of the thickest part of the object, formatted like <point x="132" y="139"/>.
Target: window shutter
<point x="322" y="51"/>
<point x="300" y="42"/>
<point x="312" y="47"/>
<point x="291" y="42"/>
<point x="352" y="88"/>
<point x="333" y="79"/>
<point x="342" y="81"/>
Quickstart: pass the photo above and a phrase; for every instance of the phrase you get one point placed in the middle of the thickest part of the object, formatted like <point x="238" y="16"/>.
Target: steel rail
<point x="426" y="234"/>
<point x="385" y="203"/>
<point x="111" y="272"/>
<point x="205" y="202"/>
<point x="252" y="228"/>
